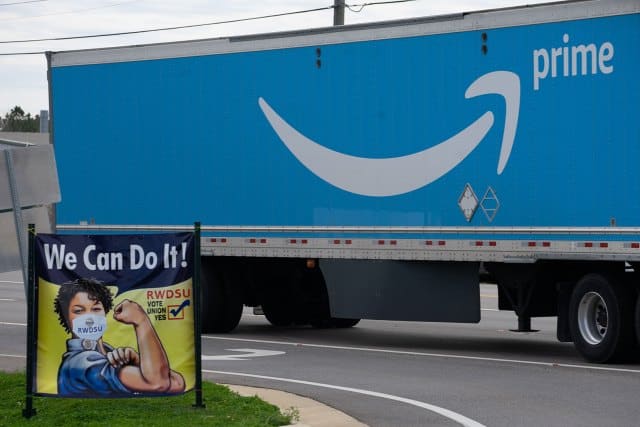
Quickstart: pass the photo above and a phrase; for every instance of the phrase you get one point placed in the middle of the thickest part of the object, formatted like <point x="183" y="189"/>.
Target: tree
<point x="17" y="121"/>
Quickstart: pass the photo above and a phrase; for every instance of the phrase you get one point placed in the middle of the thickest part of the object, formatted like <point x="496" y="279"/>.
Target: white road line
<point x="13" y="324"/>
<point x="416" y="353"/>
<point x="12" y="282"/>
<point x="454" y="416"/>
<point x="6" y="299"/>
<point x="461" y="419"/>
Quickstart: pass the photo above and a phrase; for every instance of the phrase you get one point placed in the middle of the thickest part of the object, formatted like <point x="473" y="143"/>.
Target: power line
<point x="23" y="53"/>
<point x="357" y="8"/>
<point x="181" y="27"/>
<point x="351" y="7"/>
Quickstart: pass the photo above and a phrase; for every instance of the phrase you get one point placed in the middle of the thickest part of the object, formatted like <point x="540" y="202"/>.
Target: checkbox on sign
<point x="176" y="312"/>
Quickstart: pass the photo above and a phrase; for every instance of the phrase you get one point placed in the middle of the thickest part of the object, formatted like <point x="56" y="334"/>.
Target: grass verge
<point x="223" y="408"/>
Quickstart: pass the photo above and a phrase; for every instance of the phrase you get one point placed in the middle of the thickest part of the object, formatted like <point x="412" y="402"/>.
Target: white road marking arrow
<point x="249" y="353"/>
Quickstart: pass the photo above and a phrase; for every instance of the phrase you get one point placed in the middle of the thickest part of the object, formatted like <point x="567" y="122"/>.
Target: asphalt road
<point x="406" y="373"/>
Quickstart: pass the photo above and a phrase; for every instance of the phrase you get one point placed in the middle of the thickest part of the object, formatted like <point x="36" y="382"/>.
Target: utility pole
<point x="338" y="12"/>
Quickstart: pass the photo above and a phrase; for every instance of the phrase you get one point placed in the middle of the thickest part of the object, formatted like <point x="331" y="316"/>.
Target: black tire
<point x="601" y="319"/>
<point x="277" y="314"/>
<point x="637" y="322"/>
<point x="334" y="322"/>
<point x="321" y="317"/>
<point x="221" y="306"/>
<point x="344" y="323"/>
<point x="321" y="323"/>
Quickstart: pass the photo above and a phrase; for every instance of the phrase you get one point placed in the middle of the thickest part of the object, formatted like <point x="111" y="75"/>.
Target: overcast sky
<point x="23" y="79"/>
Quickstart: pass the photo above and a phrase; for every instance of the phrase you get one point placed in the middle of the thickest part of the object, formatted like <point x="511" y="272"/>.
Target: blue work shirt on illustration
<point x="84" y="371"/>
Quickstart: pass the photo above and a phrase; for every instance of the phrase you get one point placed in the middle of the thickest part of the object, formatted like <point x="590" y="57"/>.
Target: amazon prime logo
<point x="361" y="175"/>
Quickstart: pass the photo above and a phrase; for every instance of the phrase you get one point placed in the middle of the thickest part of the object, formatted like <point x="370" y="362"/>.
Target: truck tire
<point x="221" y="307"/>
<point x="277" y="313"/>
<point x="344" y="323"/>
<point x="334" y="322"/>
<point x="601" y="319"/>
<point x="637" y="323"/>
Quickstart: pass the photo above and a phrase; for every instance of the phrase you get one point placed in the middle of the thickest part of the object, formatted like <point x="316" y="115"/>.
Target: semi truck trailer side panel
<point x="533" y="125"/>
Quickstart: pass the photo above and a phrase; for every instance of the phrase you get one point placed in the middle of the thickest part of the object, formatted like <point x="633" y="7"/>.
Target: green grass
<point x="223" y="408"/>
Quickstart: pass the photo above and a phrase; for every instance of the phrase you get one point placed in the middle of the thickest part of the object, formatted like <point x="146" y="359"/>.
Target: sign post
<point x="197" y="315"/>
<point x="29" y="411"/>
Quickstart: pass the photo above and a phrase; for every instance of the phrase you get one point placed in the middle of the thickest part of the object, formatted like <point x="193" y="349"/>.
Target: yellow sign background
<point x="177" y="336"/>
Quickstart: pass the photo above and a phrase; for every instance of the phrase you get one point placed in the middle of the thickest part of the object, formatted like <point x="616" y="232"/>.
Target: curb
<point x="312" y="413"/>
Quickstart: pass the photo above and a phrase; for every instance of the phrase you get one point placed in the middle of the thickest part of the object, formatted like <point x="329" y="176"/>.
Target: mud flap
<point x="403" y="290"/>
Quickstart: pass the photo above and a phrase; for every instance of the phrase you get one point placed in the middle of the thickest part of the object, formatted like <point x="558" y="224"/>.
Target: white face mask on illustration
<point x="89" y="326"/>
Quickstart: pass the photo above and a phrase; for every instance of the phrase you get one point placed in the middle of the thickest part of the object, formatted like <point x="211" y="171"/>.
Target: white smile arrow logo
<point x="399" y="175"/>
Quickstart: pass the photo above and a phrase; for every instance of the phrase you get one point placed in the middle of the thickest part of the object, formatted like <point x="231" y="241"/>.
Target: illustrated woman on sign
<point x="90" y="366"/>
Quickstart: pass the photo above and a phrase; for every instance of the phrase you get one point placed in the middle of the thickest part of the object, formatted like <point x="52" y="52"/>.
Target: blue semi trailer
<point x="372" y="171"/>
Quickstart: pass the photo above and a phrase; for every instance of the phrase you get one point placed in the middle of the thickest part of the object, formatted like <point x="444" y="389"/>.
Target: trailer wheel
<point x="637" y="323"/>
<point x="600" y="319"/>
<point x="334" y="322"/>
<point x="221" y="306"/>
<point x="344" y="323"/>
<point x="277" y="314"/>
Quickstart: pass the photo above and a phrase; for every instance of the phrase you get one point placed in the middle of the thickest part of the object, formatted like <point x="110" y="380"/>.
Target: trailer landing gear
<point x="524" y="325"/>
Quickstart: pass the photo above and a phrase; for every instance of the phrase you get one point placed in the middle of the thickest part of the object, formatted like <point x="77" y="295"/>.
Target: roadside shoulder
<point x="311" y="412"/>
